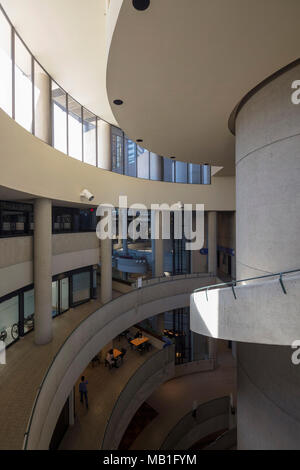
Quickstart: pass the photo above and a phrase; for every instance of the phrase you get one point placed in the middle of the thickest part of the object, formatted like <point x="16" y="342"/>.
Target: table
<point x="117" y="353"/>
<point x="138" y="341"/>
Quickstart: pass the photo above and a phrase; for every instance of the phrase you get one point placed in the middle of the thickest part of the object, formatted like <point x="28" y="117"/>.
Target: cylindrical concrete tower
<point x="268" y="227"/>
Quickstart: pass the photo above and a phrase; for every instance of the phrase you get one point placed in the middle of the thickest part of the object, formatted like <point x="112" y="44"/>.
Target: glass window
<point x="181" y="172"/>
<point x="42" y="112"/>
<point x="9" y="320"/>
<point x="5" y="65"/>
<point x="143" y="163"/>
<point x="62" y="219"/>
<point x="13" y="222"/>
<point x="81" y="287"/>
<point x="130" y="157"/>
<point x="64" y="294"/>
<point x="194" y="173"/>
<point x="59" y="116"/>
<point x="206" y="174"/>
<point x="117" y="150"/>
<point x="168" y="166"/>
<point x="74" y="128"/>
<point x="28" y="310"/>
<point x="23" y="85"/>
<point x="89" y="137"/>
<point x="55" y="299"/>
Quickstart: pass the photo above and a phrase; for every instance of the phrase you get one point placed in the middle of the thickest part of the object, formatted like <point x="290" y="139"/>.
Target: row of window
<point x="129" y="158"/>
<point x="33" y="99"/>
<point x="68" y="290"/>
<point x="18" y="219"/>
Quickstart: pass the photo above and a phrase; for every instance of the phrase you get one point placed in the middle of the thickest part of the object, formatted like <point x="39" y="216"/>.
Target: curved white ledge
<point x="252" y="315"/>
<point x="154" y="372"/>
<point x="185" y="66"/>
<point x="211" y="417"/>
<point x="33" y="169"/>
<point x="91" y="336"/>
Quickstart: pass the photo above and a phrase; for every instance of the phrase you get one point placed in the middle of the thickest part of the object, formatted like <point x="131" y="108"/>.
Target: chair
<point x="123" y="351"/>
<point x="129" y="342"/>
<point x="141" y="348"/>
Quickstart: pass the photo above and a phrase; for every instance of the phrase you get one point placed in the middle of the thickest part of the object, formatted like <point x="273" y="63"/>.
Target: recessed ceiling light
<point x="139" y="140"/>
<point x="118" y="102"/>
<point x="141" y="4"/>
<point x="173" y="158"/>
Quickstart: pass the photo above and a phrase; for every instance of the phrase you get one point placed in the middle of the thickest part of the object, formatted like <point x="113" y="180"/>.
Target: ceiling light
<point x="118" y="102"/>
<point x="139" y="140"/>
<point x="141" y="5"/>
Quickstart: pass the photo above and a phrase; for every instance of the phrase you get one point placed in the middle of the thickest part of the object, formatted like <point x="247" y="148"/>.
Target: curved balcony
<point x="78" y="336"/>
<point x="157" y="370"/>
<point x="209" y="418"/>
<point x="247" y="310"/>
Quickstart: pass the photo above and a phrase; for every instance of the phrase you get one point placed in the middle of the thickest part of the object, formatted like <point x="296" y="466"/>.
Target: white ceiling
<point x="68" y="37"/>
<point x="181" y="67"/>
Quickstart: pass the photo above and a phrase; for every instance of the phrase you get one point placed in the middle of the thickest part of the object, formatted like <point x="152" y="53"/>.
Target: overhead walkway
<point x="247" y="310"/>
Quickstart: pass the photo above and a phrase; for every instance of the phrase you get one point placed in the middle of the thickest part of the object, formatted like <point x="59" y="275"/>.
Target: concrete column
<point x="212" y="242"/>
<point x="268" y="227"/>
<point x="106" y="270"/>
<point x="104" y="145"/>
<point x="42" y="107"/>
<point x="42" y="242"/>
<point x="212" y="350"/>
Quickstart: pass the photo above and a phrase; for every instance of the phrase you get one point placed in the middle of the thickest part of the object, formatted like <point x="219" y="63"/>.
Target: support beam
<point x="42" y="241"/>
<point x="212" y="242"/>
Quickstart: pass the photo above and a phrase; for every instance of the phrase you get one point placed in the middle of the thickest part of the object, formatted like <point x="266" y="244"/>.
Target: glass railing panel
<point x="75" y="131"/>
<point x="59" y="118"/>
<point x="23" y="85"/>
<point x="5" y="65"/>
<point x="42" y="104"/>
<point x="89" y="137"/>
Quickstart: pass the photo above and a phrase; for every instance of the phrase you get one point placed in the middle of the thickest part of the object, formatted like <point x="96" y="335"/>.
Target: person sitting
<point x="138" y="334"/>
<point x="110" y="360"/>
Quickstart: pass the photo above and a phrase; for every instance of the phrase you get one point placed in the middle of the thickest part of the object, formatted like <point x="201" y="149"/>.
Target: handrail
<point x="133" y="378"/>
<point x="27" y="432"/>
<point x="187" y="416"/>
<point x="233" y="284"/>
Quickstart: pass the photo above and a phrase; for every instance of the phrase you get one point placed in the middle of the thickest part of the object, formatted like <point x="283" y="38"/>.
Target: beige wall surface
<point x="29" y="165"/>
<point x="15" y="250"/>
<point x="70" y="251"/>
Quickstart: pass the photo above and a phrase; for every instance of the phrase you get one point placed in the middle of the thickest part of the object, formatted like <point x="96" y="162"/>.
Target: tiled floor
<point x="175" y="398"/>
<point x="24" y="371"/>
<point x="104" y="387"/>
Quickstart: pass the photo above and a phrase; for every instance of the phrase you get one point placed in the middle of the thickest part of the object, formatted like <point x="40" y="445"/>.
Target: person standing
<point x="83" y="391"/>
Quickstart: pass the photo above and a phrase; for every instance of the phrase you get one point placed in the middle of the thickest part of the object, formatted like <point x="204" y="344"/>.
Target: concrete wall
<point x="261" y="312"/>
<point x="211" y="417"/>
<point x="268" y="398"/>
<point x="268" y="226"/>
